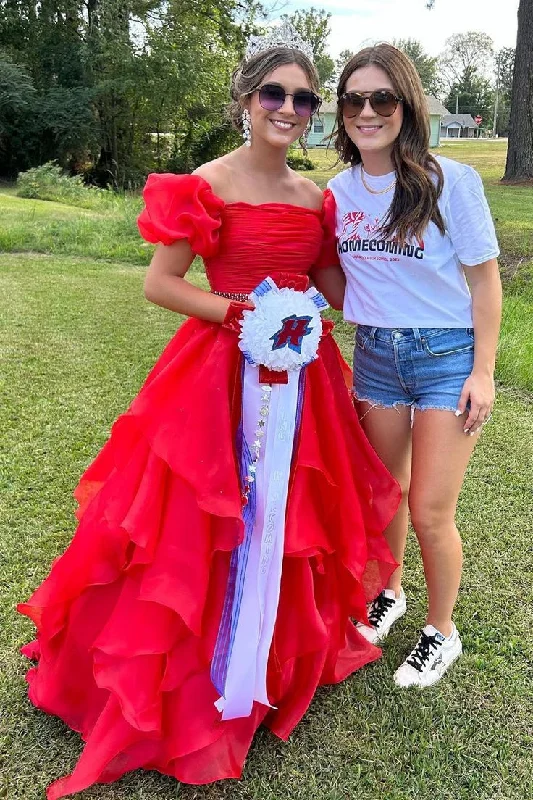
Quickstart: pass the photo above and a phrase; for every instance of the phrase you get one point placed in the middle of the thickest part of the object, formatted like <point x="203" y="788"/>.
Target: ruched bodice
<point x="256" y="241"/>
<point x="241" y="244"/>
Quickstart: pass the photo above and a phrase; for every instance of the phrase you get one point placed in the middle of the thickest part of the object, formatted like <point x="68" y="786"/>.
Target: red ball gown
<point x="127" y="620"/>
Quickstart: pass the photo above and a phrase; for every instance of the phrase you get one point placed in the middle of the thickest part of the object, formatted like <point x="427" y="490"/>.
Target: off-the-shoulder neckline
<point x="274" y="205"/>
<point x="258" y="205"/>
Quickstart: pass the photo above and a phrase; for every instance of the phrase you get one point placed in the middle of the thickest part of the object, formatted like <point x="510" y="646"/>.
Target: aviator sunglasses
<point x="382" y="101"/>
<point x="272" y="97"/>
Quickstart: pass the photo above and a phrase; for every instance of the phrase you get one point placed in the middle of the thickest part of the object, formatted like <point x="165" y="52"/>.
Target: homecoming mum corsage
<point x="278" y="339"/>
<point x="283" y="331"/>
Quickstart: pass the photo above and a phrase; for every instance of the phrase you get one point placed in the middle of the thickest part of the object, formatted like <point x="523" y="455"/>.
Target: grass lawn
<point x="41" y="226"/>
<point x="77" y="339"/>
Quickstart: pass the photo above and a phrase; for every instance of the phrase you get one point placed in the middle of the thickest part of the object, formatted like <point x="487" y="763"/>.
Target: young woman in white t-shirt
<point x="417" y="245"/>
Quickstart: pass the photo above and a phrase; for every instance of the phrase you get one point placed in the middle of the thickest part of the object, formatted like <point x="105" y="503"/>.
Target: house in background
<point x="324" y="122"/>
<point x="459" y="126"/>
<point x="322" y="125"/>
<point x="437" y="112"/>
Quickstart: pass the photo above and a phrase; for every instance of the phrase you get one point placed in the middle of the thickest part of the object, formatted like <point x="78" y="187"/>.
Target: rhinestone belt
<point x="240" y="297"/>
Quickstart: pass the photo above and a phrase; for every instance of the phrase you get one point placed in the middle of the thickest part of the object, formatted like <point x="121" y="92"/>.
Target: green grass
<point x="42" y="226"/>
<point x="76" y="342"/>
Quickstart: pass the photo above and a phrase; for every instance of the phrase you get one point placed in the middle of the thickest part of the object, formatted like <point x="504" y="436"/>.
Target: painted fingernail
<point x="458" y="413"/>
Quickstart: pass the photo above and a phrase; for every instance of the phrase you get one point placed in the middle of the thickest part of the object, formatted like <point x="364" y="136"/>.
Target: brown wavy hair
<point x="419" y="178"/>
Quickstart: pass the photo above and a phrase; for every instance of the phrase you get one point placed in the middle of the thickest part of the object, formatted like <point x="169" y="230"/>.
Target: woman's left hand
<point x="479" y="389"/>
<point x="486" y="290"/>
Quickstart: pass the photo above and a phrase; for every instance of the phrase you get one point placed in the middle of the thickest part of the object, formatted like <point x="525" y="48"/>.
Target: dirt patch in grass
<point x="512" y="267"/>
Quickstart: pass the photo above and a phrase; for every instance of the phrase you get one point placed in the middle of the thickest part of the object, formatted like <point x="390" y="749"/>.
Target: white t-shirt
<point x="423" y="284"/>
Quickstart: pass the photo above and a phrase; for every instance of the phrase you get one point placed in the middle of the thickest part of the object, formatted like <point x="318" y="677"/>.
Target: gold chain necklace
<point x="375" y="191"/>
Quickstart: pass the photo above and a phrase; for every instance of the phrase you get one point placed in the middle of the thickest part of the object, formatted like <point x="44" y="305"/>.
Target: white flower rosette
<point x="283" y="331"/>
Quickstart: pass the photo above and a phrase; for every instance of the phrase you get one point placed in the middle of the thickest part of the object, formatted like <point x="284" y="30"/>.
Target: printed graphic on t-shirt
<point x="361" y="234"/>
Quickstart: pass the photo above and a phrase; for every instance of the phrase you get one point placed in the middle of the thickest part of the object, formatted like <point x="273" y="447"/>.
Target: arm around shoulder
<point x="332" y="283"/>
<point x="327" y="273"/>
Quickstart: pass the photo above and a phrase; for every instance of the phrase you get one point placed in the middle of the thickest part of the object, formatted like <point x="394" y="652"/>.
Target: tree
<point x="119" y="86"/>
<point x="503" y="73"/>
<point x="519" y="166"/>
<point x="342" y="60"/>
<point x="425" y="65"/>
<point x="16" y="89"/>
<point x="16" y="97"/>
<point x="473" y="95"/>
<point x="463" y="66"/>
<point x="505" y="68"/>
<point x="466" y="55"/>
<point x="313" y="27"/>
<point x="187" y="68"/>
<point x="46" y="40"/>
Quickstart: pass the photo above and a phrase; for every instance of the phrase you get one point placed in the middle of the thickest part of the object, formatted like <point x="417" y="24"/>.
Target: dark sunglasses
<point x="382" y="101"/>
<point x="272" y="97"/>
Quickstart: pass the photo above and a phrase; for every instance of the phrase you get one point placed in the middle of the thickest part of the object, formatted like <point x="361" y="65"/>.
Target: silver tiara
<point x="283" y="36"/>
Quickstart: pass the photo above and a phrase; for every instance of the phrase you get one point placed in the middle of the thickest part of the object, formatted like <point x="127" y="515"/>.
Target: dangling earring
<point x="247" y="128"/>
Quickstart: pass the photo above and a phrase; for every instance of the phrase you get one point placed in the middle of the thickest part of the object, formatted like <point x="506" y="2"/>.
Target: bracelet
<point x="240" y="297"/>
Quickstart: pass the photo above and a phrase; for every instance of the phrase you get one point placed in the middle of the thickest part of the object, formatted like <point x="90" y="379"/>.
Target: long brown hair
<point x="419" y="177"/>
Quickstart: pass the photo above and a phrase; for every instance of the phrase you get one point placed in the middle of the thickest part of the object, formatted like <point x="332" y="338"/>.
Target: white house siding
<point x="434" y="130"/>
<point x="326" y="120"/>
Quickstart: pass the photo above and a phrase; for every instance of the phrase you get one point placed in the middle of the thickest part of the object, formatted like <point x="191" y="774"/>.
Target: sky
<point x="354" y="22"/>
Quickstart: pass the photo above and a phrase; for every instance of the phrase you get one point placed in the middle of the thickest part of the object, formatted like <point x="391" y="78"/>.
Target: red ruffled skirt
<point x="128" y="617"/>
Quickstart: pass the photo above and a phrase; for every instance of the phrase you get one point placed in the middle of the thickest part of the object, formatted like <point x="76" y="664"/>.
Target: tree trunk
<point x="519" y="166"/>
<point x="92" y="14"/>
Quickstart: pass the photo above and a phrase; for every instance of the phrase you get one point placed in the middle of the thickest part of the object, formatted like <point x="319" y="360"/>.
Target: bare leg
<point x="440" y="456"/>
<point x="389" y="433"/>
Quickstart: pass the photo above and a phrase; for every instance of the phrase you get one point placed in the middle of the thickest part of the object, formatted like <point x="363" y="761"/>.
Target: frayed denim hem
<point x="375" y="404"/>
<point x="417" y="407"/>
<point x="413" y="405"/>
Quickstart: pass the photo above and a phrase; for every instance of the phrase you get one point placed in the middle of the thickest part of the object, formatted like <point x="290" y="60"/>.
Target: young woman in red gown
<point x="129" y="618"/>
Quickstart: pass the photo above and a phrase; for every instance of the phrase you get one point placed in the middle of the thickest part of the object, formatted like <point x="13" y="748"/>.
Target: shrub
<point x="49" y="182"/>
<point x="297" y="161"/>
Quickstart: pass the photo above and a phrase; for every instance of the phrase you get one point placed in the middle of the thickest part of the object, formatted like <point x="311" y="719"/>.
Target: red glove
<point x="232" y="320"/>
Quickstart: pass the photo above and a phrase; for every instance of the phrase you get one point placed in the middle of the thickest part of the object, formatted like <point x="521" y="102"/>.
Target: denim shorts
<point x="419" y="367"/>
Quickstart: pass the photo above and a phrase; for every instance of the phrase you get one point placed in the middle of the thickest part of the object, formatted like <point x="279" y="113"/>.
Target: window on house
<point x="318" y="126"/>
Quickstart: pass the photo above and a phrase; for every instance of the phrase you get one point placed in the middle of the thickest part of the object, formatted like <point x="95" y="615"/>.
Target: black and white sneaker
<point x="430" y="659"/>
<point x="382" y="614"/>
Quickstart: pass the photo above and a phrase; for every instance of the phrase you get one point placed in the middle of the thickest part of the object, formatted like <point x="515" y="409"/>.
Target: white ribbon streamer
<point x="246" y="679"/>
